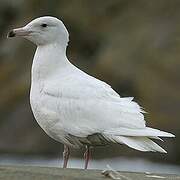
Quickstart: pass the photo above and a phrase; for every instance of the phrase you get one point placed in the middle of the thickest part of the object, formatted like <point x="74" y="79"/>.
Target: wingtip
<point x="165" y="152"/>
<point x="166" y="134"/>
<point x="161" y="150"/>
<point x="171" y="135"/>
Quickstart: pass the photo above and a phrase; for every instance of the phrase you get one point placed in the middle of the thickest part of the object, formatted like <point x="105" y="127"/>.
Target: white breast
<point x="44" y="108"/>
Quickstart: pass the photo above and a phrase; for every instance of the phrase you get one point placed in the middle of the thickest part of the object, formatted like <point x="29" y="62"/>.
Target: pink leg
<point x="66" y="154"/>
<point x="87" y="156"/>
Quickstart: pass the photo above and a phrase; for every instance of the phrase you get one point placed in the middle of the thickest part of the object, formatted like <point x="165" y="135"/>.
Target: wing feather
<point x="87" y="106"/>
<point x="90" y="106"/>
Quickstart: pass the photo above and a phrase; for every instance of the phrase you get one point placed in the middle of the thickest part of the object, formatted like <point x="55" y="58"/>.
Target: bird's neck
<point x="47" y="60"/>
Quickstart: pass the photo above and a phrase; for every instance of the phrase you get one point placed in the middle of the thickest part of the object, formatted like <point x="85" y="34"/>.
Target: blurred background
<point x="132" y="45"/>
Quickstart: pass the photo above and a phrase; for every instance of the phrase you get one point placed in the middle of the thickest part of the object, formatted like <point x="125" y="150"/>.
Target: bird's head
<point x="42" y="31"/>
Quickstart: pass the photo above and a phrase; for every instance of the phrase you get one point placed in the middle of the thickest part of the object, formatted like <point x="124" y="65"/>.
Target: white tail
<point x="138" y="143"/>
<point x="137" y="138"/>
<point x="147" y="132"/>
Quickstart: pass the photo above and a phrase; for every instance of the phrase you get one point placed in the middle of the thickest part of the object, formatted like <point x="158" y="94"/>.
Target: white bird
<point x="75" y="108"/>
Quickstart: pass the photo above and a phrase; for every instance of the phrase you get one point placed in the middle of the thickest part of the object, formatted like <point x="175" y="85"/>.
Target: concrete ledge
<point x="50" y="173"/>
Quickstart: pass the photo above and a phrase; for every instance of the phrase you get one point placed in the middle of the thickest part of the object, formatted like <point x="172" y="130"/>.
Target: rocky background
<point x="132" y="45"/>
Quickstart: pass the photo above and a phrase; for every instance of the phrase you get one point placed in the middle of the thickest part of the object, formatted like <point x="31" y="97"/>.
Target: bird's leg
<point x="86" y="156"/>
<point x="66" y="154"/>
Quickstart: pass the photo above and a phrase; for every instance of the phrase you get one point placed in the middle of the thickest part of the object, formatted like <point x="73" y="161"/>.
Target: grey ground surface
<point x="47" y="173"/>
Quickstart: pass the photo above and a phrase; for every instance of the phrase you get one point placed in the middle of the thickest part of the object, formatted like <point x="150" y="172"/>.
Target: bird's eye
<point x="43" y="25"/>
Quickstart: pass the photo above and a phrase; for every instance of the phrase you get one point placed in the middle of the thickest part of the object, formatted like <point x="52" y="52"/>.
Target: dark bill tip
<point x="11" y="34"/>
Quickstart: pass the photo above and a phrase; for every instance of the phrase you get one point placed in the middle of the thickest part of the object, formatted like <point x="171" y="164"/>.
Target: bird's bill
<point x="18" y="32"/>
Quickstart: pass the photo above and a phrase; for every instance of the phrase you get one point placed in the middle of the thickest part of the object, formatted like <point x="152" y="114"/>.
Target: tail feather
<point x="155" y="137"/>
<point x="138" y="143"/>
<point x="149" y="132"/>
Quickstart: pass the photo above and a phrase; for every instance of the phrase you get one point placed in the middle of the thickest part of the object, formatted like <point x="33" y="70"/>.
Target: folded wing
<point x="89" y="106"/>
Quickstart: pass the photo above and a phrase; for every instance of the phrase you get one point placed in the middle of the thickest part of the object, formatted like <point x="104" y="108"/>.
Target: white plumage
<point x="72" y="106"/>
